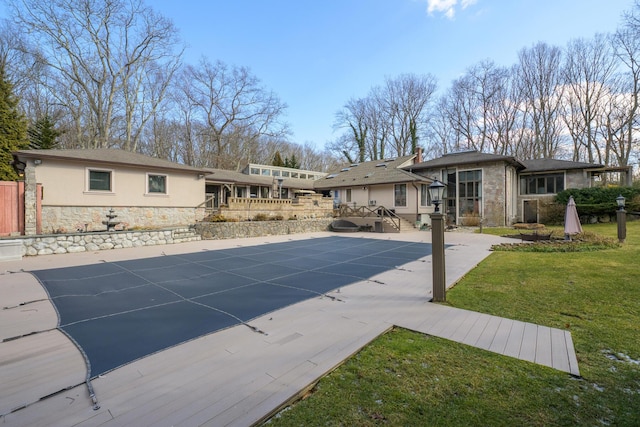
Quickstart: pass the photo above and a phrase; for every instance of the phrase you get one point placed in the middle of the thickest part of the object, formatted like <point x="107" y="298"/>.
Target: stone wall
<point x="70" y="219"/>
<point x="91" y="242"/>
<point x="98" y="241"/>
<point x="232" y="230"/>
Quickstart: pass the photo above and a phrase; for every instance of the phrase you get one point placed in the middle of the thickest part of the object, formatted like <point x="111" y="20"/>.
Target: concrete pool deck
<point x="237" y="376"/>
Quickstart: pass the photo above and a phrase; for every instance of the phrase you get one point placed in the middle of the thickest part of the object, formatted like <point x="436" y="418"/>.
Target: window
<point x="264" y="192"/>
<point x="255" y="171"/>
<point x="265" y="172"/>
<point x="542" y="184"/>
<point x="275" y="173"/>
<point x="470" y="192"/>
<point x="400" y="195"/>
<point x="100" y="180"/>
<point x="285" y="174"/>
<point x="157" y="184"/>
<point x="425" y="199"/>
<point x="348" y="195"/>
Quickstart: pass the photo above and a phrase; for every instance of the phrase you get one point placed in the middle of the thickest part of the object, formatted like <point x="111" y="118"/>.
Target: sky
<point x="316" y="55"/>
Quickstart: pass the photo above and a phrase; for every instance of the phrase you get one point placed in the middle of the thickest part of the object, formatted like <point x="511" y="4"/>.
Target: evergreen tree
<point x="277" y="160"/>
<point x="291" y="162"/>
<point x="43" y="134"/>
<point x="13" y="128"/>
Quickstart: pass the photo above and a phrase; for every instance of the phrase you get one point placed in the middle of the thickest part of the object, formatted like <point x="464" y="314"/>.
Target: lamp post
<point x="621" y="219"/>
<point x="436" y="190"/>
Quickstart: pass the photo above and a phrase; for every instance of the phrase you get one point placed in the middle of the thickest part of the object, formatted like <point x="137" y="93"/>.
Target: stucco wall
<point x="65" y="184"/>
<point x="384" y="195"/>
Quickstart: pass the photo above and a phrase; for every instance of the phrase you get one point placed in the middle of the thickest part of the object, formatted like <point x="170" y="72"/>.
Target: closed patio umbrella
<point x="571" y="219"/>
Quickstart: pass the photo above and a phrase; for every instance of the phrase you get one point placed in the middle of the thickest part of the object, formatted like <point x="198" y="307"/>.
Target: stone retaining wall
<point x="231" y="230"/>
<point x="85" y="242"/>
<point x="98" y="241"/>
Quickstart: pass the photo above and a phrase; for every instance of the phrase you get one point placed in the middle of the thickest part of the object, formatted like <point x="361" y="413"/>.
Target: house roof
<point x="224" y="176"/>
<point x="107" y="156"/>
<point x="545" y="165"/>
<point x="466" y="157"/>
<point x="369" y="173"/>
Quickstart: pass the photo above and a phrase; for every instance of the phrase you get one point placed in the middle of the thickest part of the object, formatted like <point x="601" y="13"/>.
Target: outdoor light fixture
<point x="621" y="219"/>
<point x="436" y="191"/>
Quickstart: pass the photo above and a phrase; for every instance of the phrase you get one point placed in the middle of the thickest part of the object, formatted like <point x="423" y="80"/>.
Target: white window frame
<point x="156" y="193"/>
<point x="88" y="180"/>
<point x="395" y="201"/>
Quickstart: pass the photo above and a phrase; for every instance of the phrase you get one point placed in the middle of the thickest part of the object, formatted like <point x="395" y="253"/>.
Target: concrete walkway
<point x="237" y="376"/>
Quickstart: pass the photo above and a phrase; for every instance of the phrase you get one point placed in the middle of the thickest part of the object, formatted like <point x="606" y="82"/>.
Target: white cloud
<point x="466" y="3"/>
<point x="448" y="7"/>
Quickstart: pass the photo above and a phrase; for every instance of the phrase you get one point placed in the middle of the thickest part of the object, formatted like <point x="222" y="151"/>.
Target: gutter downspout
<point x="417" y="200"/>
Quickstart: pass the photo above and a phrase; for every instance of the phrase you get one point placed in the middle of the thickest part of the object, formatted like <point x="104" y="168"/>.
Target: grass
<point x="407" y="378"/>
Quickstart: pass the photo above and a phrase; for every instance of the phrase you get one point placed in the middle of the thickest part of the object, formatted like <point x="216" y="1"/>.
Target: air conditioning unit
<point x="372" y="203"/>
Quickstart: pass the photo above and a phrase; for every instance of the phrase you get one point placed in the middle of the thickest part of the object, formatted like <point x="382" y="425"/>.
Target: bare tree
<point x="588" y="67"/>
<point x="540" y="83"/>
<point x="442" y="137"/>
<point x="405" y="103"/>
<point x="392" y="119"/>
<point x="100" y="55"/>
<point x="355" y="116"/>
<point x="230" y="102"/>
<point x="626" y="42"/>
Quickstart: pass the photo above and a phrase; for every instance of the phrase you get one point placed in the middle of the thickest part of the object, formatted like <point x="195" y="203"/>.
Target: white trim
<point x="155" y="193"/>
<point x="87" y="180"/>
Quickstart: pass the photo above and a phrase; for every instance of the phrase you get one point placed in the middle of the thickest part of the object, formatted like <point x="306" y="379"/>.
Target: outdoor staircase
<point x="181" y="235"/>
<point x="390" y="222"/>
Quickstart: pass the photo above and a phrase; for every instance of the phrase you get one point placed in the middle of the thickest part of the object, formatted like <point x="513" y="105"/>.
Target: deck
<point x="237" y="376"/>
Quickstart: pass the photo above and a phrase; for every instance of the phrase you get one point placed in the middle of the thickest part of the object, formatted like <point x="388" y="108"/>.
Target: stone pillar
<point x="30" y="207"/>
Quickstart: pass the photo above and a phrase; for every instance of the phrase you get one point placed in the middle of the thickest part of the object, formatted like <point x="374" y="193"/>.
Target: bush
<point x="261" y="217"/>
<point x="215" y="218"/>
<point x="598" y="201"/>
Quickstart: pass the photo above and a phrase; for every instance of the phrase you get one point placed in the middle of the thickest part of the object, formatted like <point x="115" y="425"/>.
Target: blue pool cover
<point x="118" y="312"/>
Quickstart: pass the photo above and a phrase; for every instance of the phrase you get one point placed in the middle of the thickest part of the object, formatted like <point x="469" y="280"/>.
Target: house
<point x="79" y="187"/>
<point x="501" y="190"/>
<point x="380" y="184"/>
<point x="268" y="191"/>
<point x="258" y="182"/>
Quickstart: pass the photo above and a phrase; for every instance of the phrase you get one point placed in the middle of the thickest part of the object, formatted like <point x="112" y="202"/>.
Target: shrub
<point x="598" y="201"/>
<point x="215" y="218"/>
<point x="470" y="220"/>
<point x="261" y="217"/>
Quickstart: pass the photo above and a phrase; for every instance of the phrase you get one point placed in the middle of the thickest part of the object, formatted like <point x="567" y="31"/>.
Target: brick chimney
<point x="418" y="158"/>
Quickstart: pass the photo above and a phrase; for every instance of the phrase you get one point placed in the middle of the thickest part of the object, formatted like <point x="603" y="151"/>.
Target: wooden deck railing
<point x="385" y="215"/>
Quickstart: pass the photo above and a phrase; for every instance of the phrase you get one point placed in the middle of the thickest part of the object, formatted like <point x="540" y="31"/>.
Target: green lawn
<point x="410" y="379"/>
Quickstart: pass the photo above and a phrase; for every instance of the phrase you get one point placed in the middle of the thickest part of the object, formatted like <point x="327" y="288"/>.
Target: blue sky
<point x="315" y="55"/>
